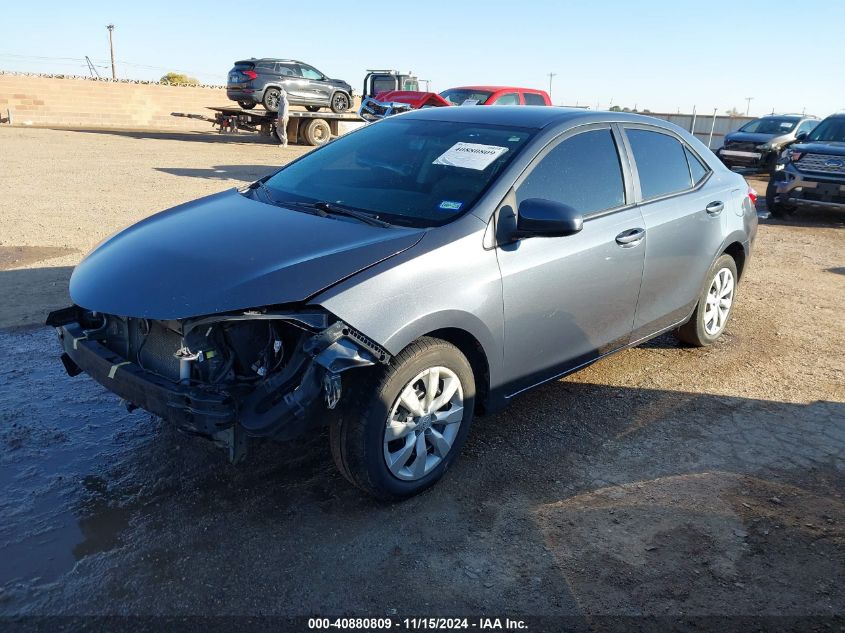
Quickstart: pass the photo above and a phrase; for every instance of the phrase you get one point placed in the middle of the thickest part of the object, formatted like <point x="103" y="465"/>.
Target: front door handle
<point x="715" y="208"/>
<point x="631" y="237"/>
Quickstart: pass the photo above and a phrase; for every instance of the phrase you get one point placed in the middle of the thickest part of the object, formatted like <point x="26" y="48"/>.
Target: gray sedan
<point x="408" y="276"/>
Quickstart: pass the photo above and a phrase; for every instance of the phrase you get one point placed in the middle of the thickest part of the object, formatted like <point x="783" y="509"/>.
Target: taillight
<point x="250" y="73"/>
<point x="752" y="195"/>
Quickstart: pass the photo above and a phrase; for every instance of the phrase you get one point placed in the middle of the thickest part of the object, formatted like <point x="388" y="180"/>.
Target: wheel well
<point x="737" y="251"/>
<point x="472" y="349"/>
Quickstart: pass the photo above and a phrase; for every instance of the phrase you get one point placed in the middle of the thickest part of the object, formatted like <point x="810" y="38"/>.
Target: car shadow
<point x="29" y="294"/>
<point x="244" y="173"/>
<point x="806" y="217"/>
<point x="244" y="138"/>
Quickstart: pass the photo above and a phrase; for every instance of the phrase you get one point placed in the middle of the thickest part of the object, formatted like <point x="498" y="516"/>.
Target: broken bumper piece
<point x="279" y="405"/>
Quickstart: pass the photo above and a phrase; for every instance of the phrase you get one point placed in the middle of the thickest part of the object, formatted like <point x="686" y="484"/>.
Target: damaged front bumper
<point x="281" y="405"/>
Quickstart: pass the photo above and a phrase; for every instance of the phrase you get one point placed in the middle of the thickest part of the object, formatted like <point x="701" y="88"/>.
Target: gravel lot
<point x="661" y="481"/>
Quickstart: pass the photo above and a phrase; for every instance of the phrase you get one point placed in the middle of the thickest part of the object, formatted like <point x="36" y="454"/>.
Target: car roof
<point x="528" y="116"/>
<point x="492" y="88"/>
<point x="269" y="59"/>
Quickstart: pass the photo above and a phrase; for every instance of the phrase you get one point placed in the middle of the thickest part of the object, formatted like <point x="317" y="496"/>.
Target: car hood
<point x="227" y="252"/>
<point x="747" y="137"/>
<point x="830" y="147"/>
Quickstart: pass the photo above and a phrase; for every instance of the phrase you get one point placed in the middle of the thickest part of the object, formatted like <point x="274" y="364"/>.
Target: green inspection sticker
<point x="451" y="205"/>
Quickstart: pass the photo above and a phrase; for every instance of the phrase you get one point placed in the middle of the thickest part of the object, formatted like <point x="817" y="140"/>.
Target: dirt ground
<point x="661" y="481"/>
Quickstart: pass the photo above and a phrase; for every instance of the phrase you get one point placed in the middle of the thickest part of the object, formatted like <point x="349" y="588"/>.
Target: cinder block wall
<point x="60" y="102"/>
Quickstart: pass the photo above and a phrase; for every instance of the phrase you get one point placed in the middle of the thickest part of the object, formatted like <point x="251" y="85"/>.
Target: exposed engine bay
<point x="260" y="373"/>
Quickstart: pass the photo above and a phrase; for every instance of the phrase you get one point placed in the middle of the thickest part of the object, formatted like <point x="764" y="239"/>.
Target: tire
<point x="704" y="327"/>
<point x="247" y="105"/>
<point x="358" y="435"/>
<point x="270" y="100"/>
<point x="770" y="163"/>
<point x="340" y="102"/>
<point x="315" y="132"/>
<point x="313" y="108"/>
<point x="777" y="209"/>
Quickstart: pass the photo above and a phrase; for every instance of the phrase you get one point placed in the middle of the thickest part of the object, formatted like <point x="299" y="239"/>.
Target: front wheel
<point x="777" y="209"/>
<point x="340" y="102"/>
<point x="403" y="426"/>
<point x="313" y="108"/>
<point x="710" y="317"/>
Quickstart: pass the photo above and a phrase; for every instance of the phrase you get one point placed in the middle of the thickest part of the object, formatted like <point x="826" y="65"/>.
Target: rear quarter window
<point x="661" y="163"/>
<point x="533" y="99"/>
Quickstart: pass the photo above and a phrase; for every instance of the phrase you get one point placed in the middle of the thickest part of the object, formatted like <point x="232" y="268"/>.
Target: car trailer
<point x="305" y="128"/>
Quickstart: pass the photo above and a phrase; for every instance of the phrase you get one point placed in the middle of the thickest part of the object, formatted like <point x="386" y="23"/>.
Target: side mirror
<point x="801" y="136"/>
<point x="546" y="218"/>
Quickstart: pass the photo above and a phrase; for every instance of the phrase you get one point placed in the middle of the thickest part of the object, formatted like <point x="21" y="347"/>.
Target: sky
<point x="661" y="55"/>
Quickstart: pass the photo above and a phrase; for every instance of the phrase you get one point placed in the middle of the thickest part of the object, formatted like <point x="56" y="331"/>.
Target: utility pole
<point x="110" y="27"/>
<point x="748" y="106"/>
<point x="427" y="83"/>
<point x="551" y="76"/>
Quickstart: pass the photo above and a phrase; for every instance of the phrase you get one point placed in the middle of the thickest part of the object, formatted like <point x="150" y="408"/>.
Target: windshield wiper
<point x="322" y="208"/>
<point x="336" y="209"/>
<point x="259" y="184"/>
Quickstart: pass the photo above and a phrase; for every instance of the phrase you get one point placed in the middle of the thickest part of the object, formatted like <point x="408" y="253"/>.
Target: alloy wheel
<point x="718" y="303"/>
<point x="423" y="423"/>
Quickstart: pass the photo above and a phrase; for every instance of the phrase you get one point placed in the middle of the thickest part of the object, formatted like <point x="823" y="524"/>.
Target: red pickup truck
<point x="473" y="95"/>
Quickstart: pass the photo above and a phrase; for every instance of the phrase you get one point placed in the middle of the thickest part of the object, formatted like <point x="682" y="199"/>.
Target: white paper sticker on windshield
<point x="470" y="155"/>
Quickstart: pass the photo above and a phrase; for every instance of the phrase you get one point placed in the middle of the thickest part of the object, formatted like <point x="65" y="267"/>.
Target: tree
<point x="179" y="78"/>
<point x="615" y="108"/>
<point x="733" y="112"/>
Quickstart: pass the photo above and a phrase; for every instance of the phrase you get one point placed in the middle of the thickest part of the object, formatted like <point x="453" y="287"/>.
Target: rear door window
<point x="583" y="171"/>
<point x="661" y="163"/>
<point x="509" y="98"/>
<point x="533" y="99"/>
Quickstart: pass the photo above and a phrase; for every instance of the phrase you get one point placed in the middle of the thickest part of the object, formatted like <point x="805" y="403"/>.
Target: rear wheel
<point x="714" y="307"/>
<point x="247" y="105"/>
<point x="340" y="102"/>
<point x="316" y="132"/>
<point x="313" y="108"/>
<point x="776" y="208"/>
<point x="270" y="100"/>
<point x="405" y="425"/>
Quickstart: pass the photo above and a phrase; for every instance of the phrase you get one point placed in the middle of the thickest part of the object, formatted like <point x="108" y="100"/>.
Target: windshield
<point x="405" y="171"/>
<point x="769" y="125"/>
<point x="830" y="130"/>
<point x="456" y="96"/>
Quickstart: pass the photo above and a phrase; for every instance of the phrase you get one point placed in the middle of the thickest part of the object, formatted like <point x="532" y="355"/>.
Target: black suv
<point x="254" y="81"/>
<point x="811" y="173"/>
<point x="758" y="143"/>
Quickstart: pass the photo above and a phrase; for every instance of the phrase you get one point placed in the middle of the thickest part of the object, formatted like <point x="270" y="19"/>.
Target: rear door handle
<point x="715" y="208"/>
<point x="631" y="237"/>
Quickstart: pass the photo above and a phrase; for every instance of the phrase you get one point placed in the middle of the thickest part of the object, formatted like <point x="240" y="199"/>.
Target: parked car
<point x="391" y="102"/>
<point x="758" y="143"/>
<point x="254" y="81"/>
<point x="410" y="274"/>
<point x="496" y="95"/>
<point x="811" y="172"/>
